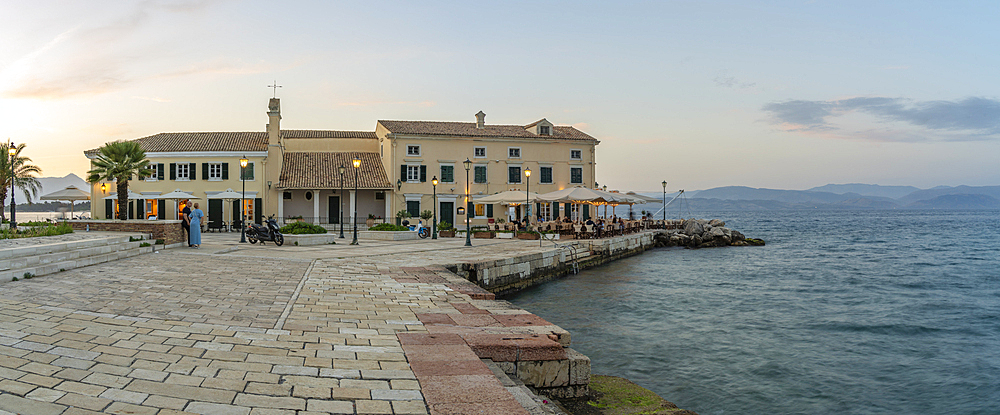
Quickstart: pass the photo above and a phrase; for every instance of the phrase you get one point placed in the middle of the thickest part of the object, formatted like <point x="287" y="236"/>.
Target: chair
<point x="235" y="226"/>
<point x="215" y="226"/>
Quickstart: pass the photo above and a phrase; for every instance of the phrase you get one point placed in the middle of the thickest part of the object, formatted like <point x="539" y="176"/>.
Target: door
<point x="215" y="212"/>
<point x="446" y="213"/>
<point x="333" y="211"/>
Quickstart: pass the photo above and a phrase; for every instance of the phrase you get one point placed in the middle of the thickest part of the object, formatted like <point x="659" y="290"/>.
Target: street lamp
<point x="664" y="199"/>
<point x="605" y="188"/>
<point x="527" y="203"/>
<point x="243" y="201"/>
<point x="468" y="226"/>
<point x="357" y="166"/>
<point x="13" y="206"/>
<point x="434" y="226"/>
<point x="340" y="208"/>
<point x="104" y="187"/>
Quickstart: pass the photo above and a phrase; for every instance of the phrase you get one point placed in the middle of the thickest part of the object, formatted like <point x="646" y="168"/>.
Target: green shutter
<point x="161" y="209"/>
<point x="489" y="211"/>
<point x="159" y="171"/>
<point x="225" y="171"/>
<point x="586" y="211"/>
<point x="131" y="210"/>
<point x="204" y="171"/>
<point x="109" y="208"/>
<point x="470" y="209"/>
<point x="256" y="209"/>
<point x="423" y="173"/>
<point x="402" y="172"/>
<point x="555" y="209"/>
<point x="236" y="210"/>
<point x="173" y="171"/>
<point x="250" y="172"/>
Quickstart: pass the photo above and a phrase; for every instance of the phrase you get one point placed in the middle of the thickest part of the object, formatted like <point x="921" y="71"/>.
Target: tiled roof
<point x="468" y="129"/>
<point x="217" y="141"/>
<point x="318" y="170"/>
<point x="327" y="134"/>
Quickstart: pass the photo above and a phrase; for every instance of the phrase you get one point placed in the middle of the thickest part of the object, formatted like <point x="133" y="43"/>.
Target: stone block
<point x="544" y="374"/>
<point x="579" y="367"/>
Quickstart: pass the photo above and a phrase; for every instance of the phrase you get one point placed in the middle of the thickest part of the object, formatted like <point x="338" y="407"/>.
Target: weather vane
<point x="275" y="87"/>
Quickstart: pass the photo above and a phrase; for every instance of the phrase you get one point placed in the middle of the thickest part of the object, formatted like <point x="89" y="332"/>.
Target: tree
<point x="24" y="173"/>
<point x="118" y="161"/>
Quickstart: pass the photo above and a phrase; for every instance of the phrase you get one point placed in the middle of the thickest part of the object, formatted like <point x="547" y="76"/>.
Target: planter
<point x="388" y="235"/>
<point x="446" y="234"/>
<point x="552" y="236"/>
<point x="505" y="235"/>
<point x="484" y="235"/>
<point x="370" y="222"/>
<point x="309" y="239"/>
<point x="528" y="236"/>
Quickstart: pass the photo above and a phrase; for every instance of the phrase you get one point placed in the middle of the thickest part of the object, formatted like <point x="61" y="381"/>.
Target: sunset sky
<point x="701" y="94"/>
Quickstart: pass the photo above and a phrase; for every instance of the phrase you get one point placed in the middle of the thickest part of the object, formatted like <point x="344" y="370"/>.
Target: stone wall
<point x="168" y="230"/>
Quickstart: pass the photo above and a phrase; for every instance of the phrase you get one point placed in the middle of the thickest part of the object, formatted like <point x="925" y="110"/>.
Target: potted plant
<point x="504" y="234"/>
<point x="371" y="220"/>
<point x="482" y="233"/>
<point x="403" y="214"/>
<point x="297" y="218"/>
<point x="445" y="230"/>
<point x="529" y="235"/>
<point x="426" y="215"/>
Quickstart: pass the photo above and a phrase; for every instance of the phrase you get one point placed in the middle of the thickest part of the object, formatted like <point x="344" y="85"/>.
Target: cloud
<point x="732" y="83"/>
<point x="899" y="119"/>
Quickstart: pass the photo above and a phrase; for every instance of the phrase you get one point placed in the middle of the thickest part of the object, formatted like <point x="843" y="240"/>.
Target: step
<point x="52" y="268"/>
<point x="41" y="249"/>
<point x="110" y="245"/>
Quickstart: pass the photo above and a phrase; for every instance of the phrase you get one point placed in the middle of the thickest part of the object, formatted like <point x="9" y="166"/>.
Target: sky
<point x="777" y="94"/>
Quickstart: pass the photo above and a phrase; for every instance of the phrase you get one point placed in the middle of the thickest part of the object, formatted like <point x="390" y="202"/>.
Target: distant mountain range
<point x="49" y="185"/>
<point x="842" y="196"/>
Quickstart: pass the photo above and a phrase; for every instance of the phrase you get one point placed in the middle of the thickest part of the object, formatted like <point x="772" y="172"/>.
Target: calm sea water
<point x="870" y="312"/>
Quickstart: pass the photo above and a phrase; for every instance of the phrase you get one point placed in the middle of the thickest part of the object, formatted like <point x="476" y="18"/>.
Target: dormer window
<point x="544" y="130"/>
<point x="576" y="155"/>
<point x="412" y="150"/>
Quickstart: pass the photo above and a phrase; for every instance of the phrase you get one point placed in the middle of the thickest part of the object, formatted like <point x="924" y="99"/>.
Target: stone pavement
<point x="240" y="329"/>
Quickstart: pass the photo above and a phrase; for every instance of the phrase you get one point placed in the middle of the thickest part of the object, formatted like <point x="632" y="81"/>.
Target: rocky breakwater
<point x="702" y="233"/>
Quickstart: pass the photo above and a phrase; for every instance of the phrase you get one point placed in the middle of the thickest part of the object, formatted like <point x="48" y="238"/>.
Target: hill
<point x="892" y="192"/>
<point x="960" y="201"/>
<point x="991" y="191"/>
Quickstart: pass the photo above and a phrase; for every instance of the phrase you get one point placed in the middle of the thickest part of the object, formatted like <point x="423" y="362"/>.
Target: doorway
<point x="447" y="212"/>
<point x="333" y="209"/>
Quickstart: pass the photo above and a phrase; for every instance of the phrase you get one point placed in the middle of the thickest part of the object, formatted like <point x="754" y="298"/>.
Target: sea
<point x="842" y="312"/>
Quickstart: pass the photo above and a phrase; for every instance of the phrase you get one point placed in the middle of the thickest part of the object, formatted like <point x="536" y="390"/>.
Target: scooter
<point x="422" y="231"/>
<point x="269" y="232"/>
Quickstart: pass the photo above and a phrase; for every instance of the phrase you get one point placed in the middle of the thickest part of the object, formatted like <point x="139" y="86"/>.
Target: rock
<point x="693" y="228"/>
<point x="737" y="236"/>
<point x="714" y="233"/>
<point x="717" y="223"/>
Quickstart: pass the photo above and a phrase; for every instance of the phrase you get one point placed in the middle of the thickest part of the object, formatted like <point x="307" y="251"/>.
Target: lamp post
<point x="340" y="208"/>
<point x="605" y="188"/>
<point x="13" y="205"/>
<point x="664" y="199"/>
<point x="357" y="166"/>
<point x="468" y="226"/>
<point x="527" y="201"/>
<point x="434" y="224"/>
<point x="243" y="201"/>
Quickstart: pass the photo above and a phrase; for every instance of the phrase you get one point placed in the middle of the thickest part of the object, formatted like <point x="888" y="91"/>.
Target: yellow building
<point x="311" y="174"/>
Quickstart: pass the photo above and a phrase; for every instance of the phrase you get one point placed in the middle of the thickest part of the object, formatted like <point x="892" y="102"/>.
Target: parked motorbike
<point x="267" y="232"/>
<point x="422" y="231"/>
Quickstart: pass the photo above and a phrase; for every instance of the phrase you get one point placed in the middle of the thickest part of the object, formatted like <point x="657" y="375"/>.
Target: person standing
<point x="186" y="220"/>
<point x="195" y="217"/>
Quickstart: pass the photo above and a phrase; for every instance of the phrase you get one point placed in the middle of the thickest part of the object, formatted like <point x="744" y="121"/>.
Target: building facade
<point x="311" y="174"/>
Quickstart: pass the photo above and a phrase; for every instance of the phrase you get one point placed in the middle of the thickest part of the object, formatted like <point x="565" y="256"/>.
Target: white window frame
<point x="520" y="174"/>
<point x="409" y="146"/>
<point x="552" y="175"/>
<point x="219" y="177"/>
<point x="453" y="172"/>
<point x="544" y="130"/>
<point x="476" y="155"/>
<point x="413" y="170"/>
<point x="577" y="150"/>
<point x="187" y="172"/>
<point x="571" y="175"/>
<point x="509" y="149"/>
<point x="153" y="168"/>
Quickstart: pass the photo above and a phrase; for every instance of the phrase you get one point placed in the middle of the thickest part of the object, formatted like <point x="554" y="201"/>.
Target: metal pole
<point x="468" y="226"/>
<point x="13" y="204"/>
<point x="664" y="200"/>
<point x="340" y="200"/>
<point x="243" y="201"/>
<point x="434" y="225"/>
<point x="355" y="219"/>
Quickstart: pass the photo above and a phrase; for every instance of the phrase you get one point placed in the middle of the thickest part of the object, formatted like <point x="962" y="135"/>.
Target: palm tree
<point x="118" y="161"/>
<point x="23" y="175"/>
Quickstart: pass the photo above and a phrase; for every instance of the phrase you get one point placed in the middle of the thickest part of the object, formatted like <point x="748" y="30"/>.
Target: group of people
<point x="601" y="227"/>
<point x="191" y="223"/>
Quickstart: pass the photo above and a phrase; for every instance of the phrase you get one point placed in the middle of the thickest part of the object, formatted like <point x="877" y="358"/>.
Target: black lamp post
<point x="340" y="208"/>
<point x="664" y="199"/>
<point x="357" y="166"/>
<point x="434" y="228"/>
<point x="468" y="198"/>
<point x="605" y="188"/>
<point x="13" y="205"/>
<point x="243" y="201"/>
<point x="527" y="201"/>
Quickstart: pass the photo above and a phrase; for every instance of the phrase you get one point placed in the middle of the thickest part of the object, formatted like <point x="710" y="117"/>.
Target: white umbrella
<point x="229" y="194"/>
<point x="510" y="197"/>
<point x="71" y="194"/>
<point x="581" y="195"/>
<point x="640" y="199"/>
<point x="131" y="195"/>
<point x="177" y="195"/>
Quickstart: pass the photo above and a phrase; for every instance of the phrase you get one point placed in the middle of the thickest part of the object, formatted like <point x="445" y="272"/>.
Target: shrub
<point x="144" y="244"/>
<point x="388" y="227"/>
<point x="300" y="228"/>
<point x="443" y="226"/>
<point x="403" y="214"/>
<point x="49" y="230"/>
<point x="426" y="215"/>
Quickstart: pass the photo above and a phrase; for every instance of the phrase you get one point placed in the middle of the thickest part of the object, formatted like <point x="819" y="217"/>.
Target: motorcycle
<point x="268" y="232"/>
<point x="422" y="231"/>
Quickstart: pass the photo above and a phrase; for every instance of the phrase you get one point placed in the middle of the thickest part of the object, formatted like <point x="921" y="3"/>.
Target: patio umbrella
<point x="71" y="194"/>
<point x="510" y="197"/>
<point x="177" y="195"/>
<point x="131" y="195"/>
<point x="229" y="194"/>
<point x="581" y="194"/>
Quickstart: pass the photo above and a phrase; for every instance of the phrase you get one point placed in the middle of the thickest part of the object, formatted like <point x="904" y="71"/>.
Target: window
<point x="153" y="172"/>
<point x="447" y="174"/>
<point x="480" y="210"/>
<point x="545" y="211"/>
<point x="214" y="171"/>
<point x="412" y="173"/>
<point x="412" y="150"/>
<point x="544" y="130"/>
<point x="413" y="207"/>
<point x="480" y="174"/>
<point x="246" y="173"/>
<point x="479" y="152"/>
<point x="183" y="171"/>
<point x="309" y="195"/>
<point x="248" y="208"/>
<point x="286" y="195"/>
<point x="576" y="155"/>
<point x="379" y="195"/>
<point x="514" y="152"/>
<point x="576" y="175"/>
<point x="514" y="174"/>
<point x="545" y="175"/>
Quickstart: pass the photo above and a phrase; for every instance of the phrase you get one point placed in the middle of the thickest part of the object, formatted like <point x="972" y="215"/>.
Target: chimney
<point x="481" y="120"/>
<point x="274" y="121"/>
